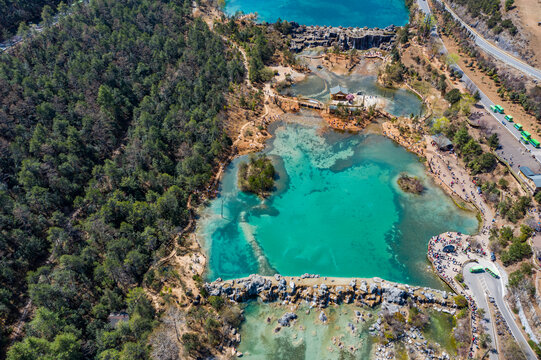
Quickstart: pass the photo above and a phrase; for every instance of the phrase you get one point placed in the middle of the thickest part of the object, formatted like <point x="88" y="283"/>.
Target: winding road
<point x="483" y="286"/>
<point x="493" y="50"/>
<point x="519" y="156"/>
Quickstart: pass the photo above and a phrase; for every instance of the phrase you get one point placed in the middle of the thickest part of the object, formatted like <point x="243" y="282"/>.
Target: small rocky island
<point x="410" y="184"/>
<point x="257" y="175"/>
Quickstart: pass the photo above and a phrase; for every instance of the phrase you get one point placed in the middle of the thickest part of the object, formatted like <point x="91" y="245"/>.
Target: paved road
<point x="475" y="285"/>
<point x="495" y="51"/>
<point x="528" y="149"/>
<point x="483" y="284"/>
<point x="493" y="287"/>
<point x="519" y="157"/>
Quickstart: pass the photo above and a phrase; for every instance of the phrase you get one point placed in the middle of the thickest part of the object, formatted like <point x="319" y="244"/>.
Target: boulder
<point x="395" y="295"/>
<point x="287" y="318"/>
<point x="363" y="287"/>
<point x="282" y="285"/>
<point x="292" y="286"/>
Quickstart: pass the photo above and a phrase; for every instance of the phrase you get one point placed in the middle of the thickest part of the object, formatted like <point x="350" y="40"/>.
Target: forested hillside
<point x="490" y="12"/>
<point x="13" y="12"/>
<point x="108" y="120"/>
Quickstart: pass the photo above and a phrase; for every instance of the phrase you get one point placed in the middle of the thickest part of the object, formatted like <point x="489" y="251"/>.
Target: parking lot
<point x="512" y="151"/>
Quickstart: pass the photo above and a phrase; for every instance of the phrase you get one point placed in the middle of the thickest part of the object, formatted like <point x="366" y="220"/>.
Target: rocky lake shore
<point x="323" y="291"/>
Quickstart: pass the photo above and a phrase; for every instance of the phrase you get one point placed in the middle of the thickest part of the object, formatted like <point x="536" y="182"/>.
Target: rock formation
<point x="345" y="38"/>
<point x="321" y="292"/>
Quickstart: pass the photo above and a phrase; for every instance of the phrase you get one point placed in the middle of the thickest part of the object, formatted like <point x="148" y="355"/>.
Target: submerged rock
<point x="287" y="318"/>
<point x="322" y="317"/>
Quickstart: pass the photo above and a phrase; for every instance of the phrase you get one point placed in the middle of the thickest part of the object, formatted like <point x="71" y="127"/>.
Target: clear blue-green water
<point x="337" y="211"/>
<point x="398" y="102"/>
<point x="307" y="338"/>
<point x="356" y="13"/>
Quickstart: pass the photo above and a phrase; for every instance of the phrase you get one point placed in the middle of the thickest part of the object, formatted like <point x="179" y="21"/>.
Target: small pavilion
<point x="339" y="93"/>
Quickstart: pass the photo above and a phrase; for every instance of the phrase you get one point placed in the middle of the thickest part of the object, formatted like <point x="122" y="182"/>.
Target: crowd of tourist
<point x="445" y="263"/>
<point x="459" y="184"/>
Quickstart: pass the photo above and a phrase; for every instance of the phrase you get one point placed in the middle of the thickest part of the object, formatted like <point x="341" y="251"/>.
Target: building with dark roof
<point x="339" y="93"/>
<point x="442" y="142"/>
<point x="532" y="179"/>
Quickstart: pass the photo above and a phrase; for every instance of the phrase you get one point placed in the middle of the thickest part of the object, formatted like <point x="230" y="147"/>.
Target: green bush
<point x="516" y="252"/>
<point x="460" y="301"/>
<point x="453" y="96"/>
<point x="216" y="302"/>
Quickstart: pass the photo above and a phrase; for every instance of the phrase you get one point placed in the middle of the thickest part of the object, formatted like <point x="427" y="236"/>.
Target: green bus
<point x="476" y="269"/>
<point x="525" y="139"/>
<point x="534" y="142"/>
<point x="518" y="126"/>
<point x="493" y="108"/>
<point x="526" y="134"/>
<point x="508" y="118"/>
<point x="499" y="109"/>
<point x="494" y="273"/>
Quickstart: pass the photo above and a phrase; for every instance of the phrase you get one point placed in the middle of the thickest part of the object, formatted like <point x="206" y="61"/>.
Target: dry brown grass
<point x="528" y="14"/>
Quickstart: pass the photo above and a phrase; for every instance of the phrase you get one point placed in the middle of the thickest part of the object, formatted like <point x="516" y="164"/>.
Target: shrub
<point x="517" y="251"/>
<point x="460" y="301"/>
<point x="216" y="302"/>
<point x="453" y="96"/>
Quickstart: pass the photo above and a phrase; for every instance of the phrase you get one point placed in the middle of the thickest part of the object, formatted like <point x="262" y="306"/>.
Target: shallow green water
<point x="440" y="330"/>
<point x="357" y="13"/>
<point x="337" y="211"/>
<point x="307" y="337"/>
<point x="398" y="102"/>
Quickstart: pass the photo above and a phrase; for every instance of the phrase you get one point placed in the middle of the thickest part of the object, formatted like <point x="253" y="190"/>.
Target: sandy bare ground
<point x="285" y="70"/>
<point x="392" y="131"/>
<point x="362" y="63"/>
<point x="529" y="13"/>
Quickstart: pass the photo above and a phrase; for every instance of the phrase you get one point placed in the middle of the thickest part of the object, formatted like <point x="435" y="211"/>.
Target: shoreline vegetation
<point x="410" y="184"/>
<point x="257" y="175"/>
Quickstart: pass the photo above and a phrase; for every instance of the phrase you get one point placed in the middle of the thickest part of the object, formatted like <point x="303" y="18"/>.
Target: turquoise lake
<point x="355" y="13"/>
<point x="337" y="211"/>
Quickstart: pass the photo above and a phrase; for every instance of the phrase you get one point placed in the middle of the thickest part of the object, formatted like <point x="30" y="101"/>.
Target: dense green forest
<point x="13" y="12"/>
<point x="255" y="39"/>
<point x="108" y="120"/>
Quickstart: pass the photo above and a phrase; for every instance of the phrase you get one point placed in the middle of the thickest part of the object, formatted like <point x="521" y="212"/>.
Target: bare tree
<point x="166" y="338"/>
